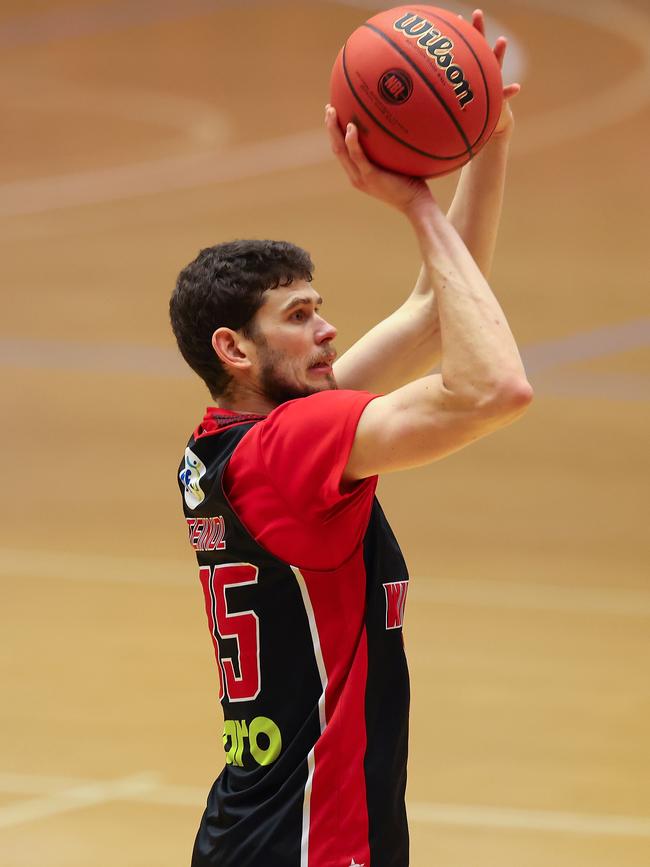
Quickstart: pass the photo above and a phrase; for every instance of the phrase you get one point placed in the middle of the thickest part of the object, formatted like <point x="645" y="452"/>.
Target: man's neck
<point x="245" y="402"/>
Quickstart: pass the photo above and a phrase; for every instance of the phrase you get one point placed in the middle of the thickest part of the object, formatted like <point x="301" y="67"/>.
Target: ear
<point x="233" y="350"/>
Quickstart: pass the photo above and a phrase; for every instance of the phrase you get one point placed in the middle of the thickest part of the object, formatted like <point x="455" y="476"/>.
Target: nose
<point x="325" y="332"/>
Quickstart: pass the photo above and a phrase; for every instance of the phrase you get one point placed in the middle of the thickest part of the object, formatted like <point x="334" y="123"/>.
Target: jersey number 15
<point x="243" y="626"/>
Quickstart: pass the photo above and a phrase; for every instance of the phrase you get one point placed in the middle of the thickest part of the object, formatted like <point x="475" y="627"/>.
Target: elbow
<point x="500" y="402"/>
<point x="511" y="398"/>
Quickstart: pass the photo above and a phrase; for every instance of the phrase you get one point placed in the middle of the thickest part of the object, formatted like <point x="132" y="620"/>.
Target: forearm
<point x="475" y="211"/>
<point x="401" y="348"/>
<point x="408" y="343"/>
<point x="479" y="353"/>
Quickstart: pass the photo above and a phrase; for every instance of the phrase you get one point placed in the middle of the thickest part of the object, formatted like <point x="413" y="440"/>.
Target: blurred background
<point x="135" y="133"/>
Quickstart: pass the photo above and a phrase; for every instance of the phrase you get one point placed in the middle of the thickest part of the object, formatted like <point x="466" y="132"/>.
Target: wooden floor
<point x="132" y="135"/>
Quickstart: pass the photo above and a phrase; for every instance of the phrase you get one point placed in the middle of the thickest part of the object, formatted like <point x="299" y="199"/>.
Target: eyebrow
<point x="299" y="301"/>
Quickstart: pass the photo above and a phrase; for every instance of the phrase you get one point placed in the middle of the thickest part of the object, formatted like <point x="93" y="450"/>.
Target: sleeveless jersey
<point x="313" y="685"/>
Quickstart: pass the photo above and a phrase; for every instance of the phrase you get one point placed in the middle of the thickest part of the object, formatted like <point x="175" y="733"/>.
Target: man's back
<point x="313" y="678"/>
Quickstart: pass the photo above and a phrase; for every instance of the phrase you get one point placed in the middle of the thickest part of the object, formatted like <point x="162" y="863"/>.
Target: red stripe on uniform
<point x="205" y="574"/>
<point x="338" y="832"/>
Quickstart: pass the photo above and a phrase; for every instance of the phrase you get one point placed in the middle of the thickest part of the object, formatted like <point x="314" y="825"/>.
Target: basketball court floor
<point x="134" y="133"/>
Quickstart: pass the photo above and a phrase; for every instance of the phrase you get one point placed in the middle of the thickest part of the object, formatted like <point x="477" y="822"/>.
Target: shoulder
<point x="301" y="449"/>
<point x="285" y="479"/>
<point x="306" y="431"/>
<point x="332" y="409"/>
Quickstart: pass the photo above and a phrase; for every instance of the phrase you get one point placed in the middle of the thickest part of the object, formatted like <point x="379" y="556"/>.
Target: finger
<point x="478" y="21"/>
<point x="500" y="49"/>
<point x="334" y="131"/>
<point x="356" y="152"/>
<point x="338" y="145"/>
<point x="511" y="90"/>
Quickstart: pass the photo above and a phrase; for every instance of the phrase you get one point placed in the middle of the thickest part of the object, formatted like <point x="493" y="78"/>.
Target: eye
<point x="299" y="315"/>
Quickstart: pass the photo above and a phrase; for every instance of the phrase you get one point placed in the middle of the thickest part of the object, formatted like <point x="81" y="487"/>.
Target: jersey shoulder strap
<point x="201" y="469"/>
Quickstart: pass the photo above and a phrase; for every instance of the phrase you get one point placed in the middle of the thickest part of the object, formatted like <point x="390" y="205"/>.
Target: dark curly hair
<point x="224" y="286"/>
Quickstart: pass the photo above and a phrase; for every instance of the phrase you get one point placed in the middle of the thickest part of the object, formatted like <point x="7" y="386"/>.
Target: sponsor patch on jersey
<point x="190" y="475"/>
<point x="242" y="739"/>
<point x="395" y="603"/>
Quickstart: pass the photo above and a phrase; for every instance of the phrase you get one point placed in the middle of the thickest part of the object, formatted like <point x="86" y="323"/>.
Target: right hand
<point x="401" y="191"/>
<point x="506" y="121"/>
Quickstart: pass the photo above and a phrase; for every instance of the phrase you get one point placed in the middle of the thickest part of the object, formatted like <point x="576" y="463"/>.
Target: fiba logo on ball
<point x="395" y="86"/>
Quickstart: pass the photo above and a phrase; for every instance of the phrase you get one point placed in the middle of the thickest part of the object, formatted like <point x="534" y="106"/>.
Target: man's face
<point x="293" y="343"/>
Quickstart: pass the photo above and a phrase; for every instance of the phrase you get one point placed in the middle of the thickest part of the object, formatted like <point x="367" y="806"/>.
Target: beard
<point x="277" y="387"/>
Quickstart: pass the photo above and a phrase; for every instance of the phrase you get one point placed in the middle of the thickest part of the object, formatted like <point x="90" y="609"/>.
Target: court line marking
<point x="598" y="110"/>
<point x="497" y="593"/>
<point x="586" y="345"/>
<point x="545" y="361"/>
<point x="164" y="175"/>
<point x="594" y="111"/>
<point x="75" y="22"/>
<point x="538" y="357"/>
<point x="505" y="818"/>
<point x="62" y="794"/>
<point x="515" y="63"/>
<point x="88" y="793"/>
<point x="598" y="386"/>
<point x="57" y="565"/>
<point x="189" y="118"/>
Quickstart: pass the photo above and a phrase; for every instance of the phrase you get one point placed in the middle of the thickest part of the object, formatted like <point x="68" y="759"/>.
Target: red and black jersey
<point x="304" y="588"/>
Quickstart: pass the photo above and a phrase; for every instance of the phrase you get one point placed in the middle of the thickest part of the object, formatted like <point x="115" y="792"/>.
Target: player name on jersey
<point x="207" y="534"/>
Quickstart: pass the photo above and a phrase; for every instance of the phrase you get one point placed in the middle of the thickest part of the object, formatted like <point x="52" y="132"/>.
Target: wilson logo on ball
<point x="395" y="86"/>
<point x="439" y="48"/>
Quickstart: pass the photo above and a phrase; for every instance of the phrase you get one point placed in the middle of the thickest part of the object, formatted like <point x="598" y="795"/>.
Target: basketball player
<point x="303" y="580"/>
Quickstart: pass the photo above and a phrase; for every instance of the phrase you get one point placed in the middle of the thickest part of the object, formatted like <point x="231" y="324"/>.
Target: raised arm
<point x="475" y="211"/>
<point x="373" y="363"/>
<point x="482" y="385"/>
<point x="406" y="344"/>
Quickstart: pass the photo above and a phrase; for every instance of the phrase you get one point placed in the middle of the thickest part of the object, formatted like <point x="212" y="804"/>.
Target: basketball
<point x="423" y="88"/>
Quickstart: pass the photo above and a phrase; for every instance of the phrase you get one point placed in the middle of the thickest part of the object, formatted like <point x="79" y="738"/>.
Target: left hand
<point x="506" y="121"/>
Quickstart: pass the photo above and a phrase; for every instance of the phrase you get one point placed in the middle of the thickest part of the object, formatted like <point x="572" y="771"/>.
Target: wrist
<point x="501" y="137"/>
<point x="492" y="157"/>
<point x="421" y="210"/>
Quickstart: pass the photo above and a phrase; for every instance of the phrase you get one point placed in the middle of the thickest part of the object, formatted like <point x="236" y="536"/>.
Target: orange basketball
<point x="423" y="87"/>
